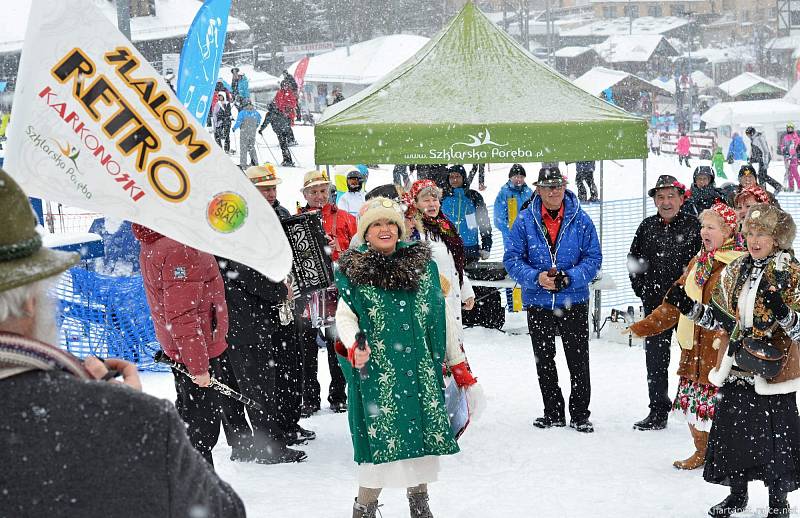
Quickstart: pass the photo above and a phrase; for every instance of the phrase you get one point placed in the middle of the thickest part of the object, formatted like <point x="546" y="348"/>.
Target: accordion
<point x="312" y="269"/>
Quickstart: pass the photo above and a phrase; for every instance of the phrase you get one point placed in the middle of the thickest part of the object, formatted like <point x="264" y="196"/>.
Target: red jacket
<point x="187" y="299"/>
<point x="345" y="224"/>
<point x="286" y="101"/>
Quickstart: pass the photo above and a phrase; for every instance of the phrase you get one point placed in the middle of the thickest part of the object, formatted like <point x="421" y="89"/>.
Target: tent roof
<point x="743" y="83"/>
<point x="365" y="63"/>
<point x="623" y="25"/>
<point x="770" y="110"/>
<point x="473" y="94"/>
<point x="600" y="78"/>
<point x="633" y="48"/>
<point x="572" y="52"/>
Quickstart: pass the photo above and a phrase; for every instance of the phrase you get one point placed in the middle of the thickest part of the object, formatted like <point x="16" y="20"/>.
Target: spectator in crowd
<point x="340" y="227"/>
<point x="336" y="96"/>
<point x="262" y="349"/>
<point x="266" y="181"/>
<point x="354" y="198"/>
<point x="510" y="199"/>
<point x="761" y="155"/>
<point x="187" y="302"/>
<point x="703" y="192"/>
<point x="391" y="293"/>
<point x="466" y="209"/>
<point x="553" y="252"/>
<point x="281" y="125"/>
<point x="584" y="174"/>
<point x="718" y="161"/>
<point x="221" y="122"/>
<point x="240" y="87"/>
<point x="46" y="468"/>
<point x="662" y="247"/>
<point x="756" y="431"/>
<point x="682" y="148"/>
<point x="745" y="199"/>
<point x="654" y="141"/>
<point x="696" y="397"/>
<point x="248" y="119"/>
<point x="737" y="151"/>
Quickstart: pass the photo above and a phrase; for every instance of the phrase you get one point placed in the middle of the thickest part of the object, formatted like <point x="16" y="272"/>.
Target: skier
<point x="761" y="155"/>
<point x="788" y="148"/>
<point x="718" y="161"/>
<point x="354" y="198"/>
<point x="584" y="174"/>
<point x="248" y="119"/>
<point x="281" y="125"/>
<point x="682" y="148"/>
<point x="221" y="121"/>
<point x="654" y="141"/>
<point x="737" y="151"/>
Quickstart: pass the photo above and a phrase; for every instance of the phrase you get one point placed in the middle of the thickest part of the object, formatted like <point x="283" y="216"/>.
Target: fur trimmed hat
<point x="773" y="221"/>
<point x="755" y="191"/>
<point x="381" y="208"/>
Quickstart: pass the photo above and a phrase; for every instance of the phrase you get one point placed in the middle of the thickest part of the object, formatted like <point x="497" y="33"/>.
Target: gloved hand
<point x="484" y="254"/>
<point x="774" y="302"/>
<point x="677" y="297"/>
<point x="260" y="132"/>
<point x="462" y="374"/>
<point x="476" y="401"/>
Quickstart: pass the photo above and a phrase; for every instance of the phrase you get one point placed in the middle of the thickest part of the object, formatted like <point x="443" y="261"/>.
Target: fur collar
<point x="400" y="271"/>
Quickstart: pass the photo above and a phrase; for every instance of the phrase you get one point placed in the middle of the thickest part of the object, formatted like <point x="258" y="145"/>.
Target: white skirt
<point x="400" y="473"/>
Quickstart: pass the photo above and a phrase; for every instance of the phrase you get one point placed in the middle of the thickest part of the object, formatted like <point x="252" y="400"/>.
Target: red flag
<point x="300" y="73"/>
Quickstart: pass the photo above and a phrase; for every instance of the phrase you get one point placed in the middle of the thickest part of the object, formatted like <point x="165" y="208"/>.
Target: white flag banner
<point x="95" y="126"/>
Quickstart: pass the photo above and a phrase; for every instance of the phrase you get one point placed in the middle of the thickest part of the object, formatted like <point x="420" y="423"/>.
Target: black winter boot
<point x="364" y="511"/>
<point x="736" y="502"/>
<point x="418" y="504"/>
<point x="778" y="505"/>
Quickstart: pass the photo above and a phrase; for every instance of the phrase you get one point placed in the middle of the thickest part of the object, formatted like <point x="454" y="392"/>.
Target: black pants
<point x="400" y="175"/>
<point x="656" y="354"/>
<point x="311" y="388"/>
<point x="682" y="159"/>
<point x="764" y="178"/>
<point x="572" y="325"/>
<point x="289" y="376"/>
<point x="223" y="134"/>
<point x="586" y="177"/>
<point x="284" y="137"/>
<point x="203" y="409"/>
<point x="255" y="367"/>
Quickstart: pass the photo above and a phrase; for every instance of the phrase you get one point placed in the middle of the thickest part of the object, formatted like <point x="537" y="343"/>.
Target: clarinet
<point x="224" y="389"/>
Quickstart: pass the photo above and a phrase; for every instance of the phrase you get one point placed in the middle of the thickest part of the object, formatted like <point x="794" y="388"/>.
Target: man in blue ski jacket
<point x="510" y="199"/>
<point x="553" y="253"/>
<point x="466" y="209"/>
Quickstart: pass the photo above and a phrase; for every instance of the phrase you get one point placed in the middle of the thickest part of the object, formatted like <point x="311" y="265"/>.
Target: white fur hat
<point x="381" y="208"/>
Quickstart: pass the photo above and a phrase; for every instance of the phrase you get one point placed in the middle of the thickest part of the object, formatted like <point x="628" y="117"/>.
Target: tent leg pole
<point x="598" y="302"/>
<point x="644" y="188"/>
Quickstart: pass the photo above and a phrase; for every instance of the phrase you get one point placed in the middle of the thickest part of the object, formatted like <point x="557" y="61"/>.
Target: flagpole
<point x="124" y="17"/>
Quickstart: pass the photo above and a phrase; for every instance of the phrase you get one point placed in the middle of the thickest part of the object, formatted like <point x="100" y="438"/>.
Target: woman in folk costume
<point x="756" y="429"/>
<point x="431" y="226"/>
<point x="696" y="395"/>
<point x="390" y="291"/>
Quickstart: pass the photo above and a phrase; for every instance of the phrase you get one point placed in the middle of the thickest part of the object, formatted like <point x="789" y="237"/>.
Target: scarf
<point x="19" y="354"/>
<point x="697" y="278"/>
<point x="705" y="260"/>
<point x="441" y="229"/>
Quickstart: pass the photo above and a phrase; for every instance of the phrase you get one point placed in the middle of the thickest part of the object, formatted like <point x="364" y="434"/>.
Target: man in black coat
<point x="662" y="247"/>
<point x="72" y="444"/>
<point x="282" y="127"/>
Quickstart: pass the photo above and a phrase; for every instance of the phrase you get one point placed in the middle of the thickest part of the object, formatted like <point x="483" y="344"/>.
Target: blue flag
<point x="201" y="57"/>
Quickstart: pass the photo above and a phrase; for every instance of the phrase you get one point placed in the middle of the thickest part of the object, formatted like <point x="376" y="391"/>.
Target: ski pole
<point x="160" y="357"/>
<point x="274" y="160"/>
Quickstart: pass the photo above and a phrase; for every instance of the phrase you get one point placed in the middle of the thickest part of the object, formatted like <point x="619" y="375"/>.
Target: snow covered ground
<point x="507" y="468"/>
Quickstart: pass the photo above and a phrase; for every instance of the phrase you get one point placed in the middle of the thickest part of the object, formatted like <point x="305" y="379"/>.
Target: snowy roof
<point x="636" y="47"/>
<point x="367" y="61"/>
<point x="642" y="1"/>
<point x="740" y="84"/>
<point x="600" y="78"/>
<point x="727" y="54"/>
<point x="642" y="25"/>
<point x="257" y="80"/>
<point x="701" y="80"/>
<point x="173" y="18"/>
<point x="771" y="110"/>
<point x="571" y="52"/>
<point x="784" y="43"/>
<point x="667" y="84"/>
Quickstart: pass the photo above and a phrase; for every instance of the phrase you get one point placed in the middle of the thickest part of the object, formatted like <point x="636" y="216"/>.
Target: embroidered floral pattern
<point x="697" y="402"/>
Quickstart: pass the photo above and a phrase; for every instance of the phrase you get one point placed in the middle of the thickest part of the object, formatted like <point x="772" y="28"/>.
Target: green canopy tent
<point x="474" y="95"/>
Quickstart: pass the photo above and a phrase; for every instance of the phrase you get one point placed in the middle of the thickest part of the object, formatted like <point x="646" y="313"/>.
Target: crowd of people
<point x="714" y="266"/>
